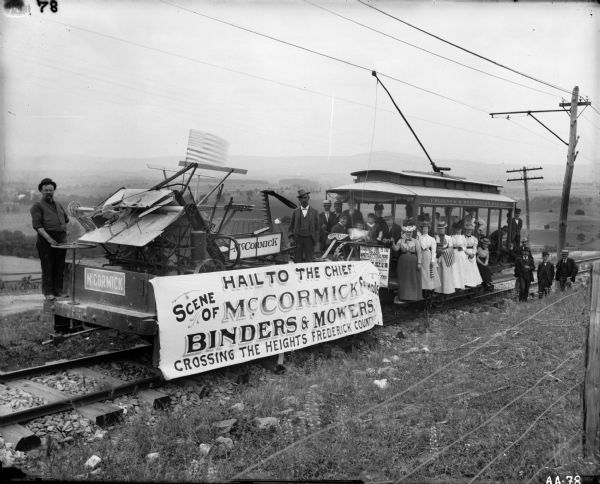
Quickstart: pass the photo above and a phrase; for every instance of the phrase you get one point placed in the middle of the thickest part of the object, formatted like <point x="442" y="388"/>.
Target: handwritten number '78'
<point x="43" y="5"/>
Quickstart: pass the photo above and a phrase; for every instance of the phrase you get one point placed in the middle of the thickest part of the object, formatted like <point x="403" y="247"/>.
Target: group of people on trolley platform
<point x="445" y="233"/>
<point x="422" y="262"/>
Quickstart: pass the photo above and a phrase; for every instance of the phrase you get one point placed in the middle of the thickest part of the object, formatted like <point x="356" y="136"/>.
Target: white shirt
<point x="304" y="210"/>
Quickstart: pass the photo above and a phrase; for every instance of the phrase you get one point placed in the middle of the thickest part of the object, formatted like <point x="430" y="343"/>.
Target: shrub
<point x="579" y="212"/>
<point x="546" y="227"/>
<point x="17" y="244"/>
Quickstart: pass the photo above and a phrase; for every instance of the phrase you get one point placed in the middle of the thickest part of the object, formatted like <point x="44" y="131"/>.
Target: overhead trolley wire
<point x="321" y="54"/>
<point x="425" y="50"/>
<point x="466" y="50"/>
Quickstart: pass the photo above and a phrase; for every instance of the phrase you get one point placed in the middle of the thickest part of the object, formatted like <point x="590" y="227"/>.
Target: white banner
<point x="257" y="246"/>
<point x="380" y="257"/>
<point x="212" y="320"/>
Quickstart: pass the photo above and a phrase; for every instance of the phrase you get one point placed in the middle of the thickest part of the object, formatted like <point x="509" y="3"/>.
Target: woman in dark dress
<point x="408" y="270"/>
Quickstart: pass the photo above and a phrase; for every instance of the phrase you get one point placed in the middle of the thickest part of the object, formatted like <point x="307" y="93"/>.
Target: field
<point x="10" y="264"/>
<point x="482" y="393"/>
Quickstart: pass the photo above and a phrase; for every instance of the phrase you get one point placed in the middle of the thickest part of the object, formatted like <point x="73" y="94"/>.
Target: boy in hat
<point x="304" y="228"/>
<point x="545" y="275"/>
<point x="566" y="270"/>
<point x="524" y="266"/>
<point x="483" y="261"/>
<point x="49" y="219"/>
<point x="327" y="219"/>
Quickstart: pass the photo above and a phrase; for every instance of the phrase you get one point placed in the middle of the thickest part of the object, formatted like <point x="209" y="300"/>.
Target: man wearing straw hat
<point x="304" y="228"/>
<point x="566" y="270"/>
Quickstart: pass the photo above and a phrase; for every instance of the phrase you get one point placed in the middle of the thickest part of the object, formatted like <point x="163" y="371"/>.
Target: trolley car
<point x="433" y="196"/>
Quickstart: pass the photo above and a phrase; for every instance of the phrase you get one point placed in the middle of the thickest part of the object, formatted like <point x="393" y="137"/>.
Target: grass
<point x="345" y="427"/>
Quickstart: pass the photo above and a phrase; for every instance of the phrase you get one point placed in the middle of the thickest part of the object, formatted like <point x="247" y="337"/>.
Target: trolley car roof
<point x="385" y="192"/>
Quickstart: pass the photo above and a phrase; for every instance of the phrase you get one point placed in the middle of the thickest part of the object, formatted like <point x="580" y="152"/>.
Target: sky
<point x="130" y="78"/>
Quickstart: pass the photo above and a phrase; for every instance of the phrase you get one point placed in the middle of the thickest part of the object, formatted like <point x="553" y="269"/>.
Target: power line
<point x="321" y="54"/>
<point x="425" y="50"/>
<point x="466" y="50"/>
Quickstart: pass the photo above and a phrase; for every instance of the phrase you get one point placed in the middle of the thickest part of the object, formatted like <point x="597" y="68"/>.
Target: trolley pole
<point x="524" y="178"/>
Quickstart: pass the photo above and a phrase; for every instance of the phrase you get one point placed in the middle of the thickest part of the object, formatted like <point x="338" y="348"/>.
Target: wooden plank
<point x="102" y="414"/>
<point x="591" y="388"/>
<point x="207" y="166"/>
<point x="88" y="372"/>
<point x="23" y="438"/>
<point x="39" y="390"/>
<point x="157" y="399"/>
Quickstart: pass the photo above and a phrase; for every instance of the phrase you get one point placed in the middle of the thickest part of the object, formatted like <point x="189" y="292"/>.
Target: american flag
<point x="206" y="148"/>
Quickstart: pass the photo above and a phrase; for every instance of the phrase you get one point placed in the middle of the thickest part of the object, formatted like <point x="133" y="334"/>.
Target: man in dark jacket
<point x="327" y="219"/>
<point x="304" y="228"/>
<point x="566" y="270"/>
<point x="49" y="219"/>
<point x="545" y="275"/>
<point x="354" y="215"/>
<point x="524" y="266"/>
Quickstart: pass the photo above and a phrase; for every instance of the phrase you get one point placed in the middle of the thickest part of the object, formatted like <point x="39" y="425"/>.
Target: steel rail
<point x="78" y="400"/>
<point x="64" y="364"/>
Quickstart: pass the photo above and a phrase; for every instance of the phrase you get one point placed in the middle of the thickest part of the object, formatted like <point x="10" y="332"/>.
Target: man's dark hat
<point x="46" y="181"/>
<point x="525" y="249"/>
<point x="378" y="206"/>
<point x="545" y="252"/>
<point x="517" y="210"/>
<point x="302" y="192"/>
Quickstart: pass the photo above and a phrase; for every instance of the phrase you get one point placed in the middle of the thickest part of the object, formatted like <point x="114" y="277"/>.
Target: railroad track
<point x="88" y="404"/>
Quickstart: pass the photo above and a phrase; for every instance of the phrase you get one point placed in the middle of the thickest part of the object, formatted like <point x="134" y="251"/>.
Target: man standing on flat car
<point x="49" y="219"/>
<point x="304" y="228"/>
<point x="545" y="275"/>
<point x="566" y="270"/>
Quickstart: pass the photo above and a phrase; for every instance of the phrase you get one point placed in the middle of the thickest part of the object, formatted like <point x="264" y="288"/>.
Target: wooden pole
<point x="591" y="388"/>
<point x="525" y="179"/>
<point x="571" y="155"/>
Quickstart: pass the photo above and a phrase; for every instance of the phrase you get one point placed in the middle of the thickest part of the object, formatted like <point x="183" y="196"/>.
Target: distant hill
<point x="328" y="170"/>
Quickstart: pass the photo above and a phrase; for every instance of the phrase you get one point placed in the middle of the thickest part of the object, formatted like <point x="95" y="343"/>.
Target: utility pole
<point x="571" y="154"/>
<point x="525" y="179"/>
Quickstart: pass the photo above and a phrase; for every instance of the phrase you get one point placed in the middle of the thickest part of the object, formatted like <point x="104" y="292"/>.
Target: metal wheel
<point x="210" y="265"/>
<point x="224" y="249"/>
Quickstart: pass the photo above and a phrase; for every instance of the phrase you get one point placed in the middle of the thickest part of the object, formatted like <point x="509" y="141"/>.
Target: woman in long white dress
<point x="445" y="259"/>
<point x="460" y="259"/>
<point x="472" y="276"/>
<point x="430" y="279"/>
